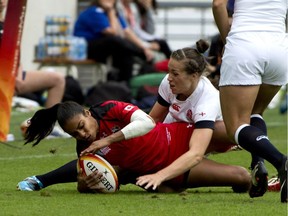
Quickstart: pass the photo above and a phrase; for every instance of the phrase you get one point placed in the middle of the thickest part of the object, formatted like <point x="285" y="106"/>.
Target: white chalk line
<point x="37" y="156"/>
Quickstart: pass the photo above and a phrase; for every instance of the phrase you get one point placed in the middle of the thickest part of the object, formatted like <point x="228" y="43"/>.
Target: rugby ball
<point x="90" y="163"/>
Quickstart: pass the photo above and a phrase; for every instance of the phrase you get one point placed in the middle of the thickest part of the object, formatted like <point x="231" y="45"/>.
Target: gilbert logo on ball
<point x="91" y="163"/>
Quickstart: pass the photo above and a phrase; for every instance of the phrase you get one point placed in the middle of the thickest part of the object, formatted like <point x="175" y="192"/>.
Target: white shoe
<point x="58" y="132"/>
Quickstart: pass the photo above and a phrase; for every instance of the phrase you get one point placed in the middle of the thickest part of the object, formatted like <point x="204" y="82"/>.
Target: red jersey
<point x="144" y="154"/>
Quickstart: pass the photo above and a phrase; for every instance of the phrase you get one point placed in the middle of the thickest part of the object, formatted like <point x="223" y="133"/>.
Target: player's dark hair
<point x="193" y="58"/>
<point x="43" y="121"/>
<point x="142" y="10"/>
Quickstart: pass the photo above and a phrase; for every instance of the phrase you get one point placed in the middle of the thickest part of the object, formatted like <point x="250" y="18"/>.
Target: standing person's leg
<point x="237" y="103"/>
<point x="279" y="161"/>
<point x="34" y="81"/>
<point x="211" y="173"/>
<point x="245" y="67"/>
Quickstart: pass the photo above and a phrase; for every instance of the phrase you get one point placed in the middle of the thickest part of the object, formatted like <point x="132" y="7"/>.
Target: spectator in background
<point x="147" y="9"/>
<point x="131" y="11"/>
<point x="107" y="34"/>
<point x="39" y="81"/>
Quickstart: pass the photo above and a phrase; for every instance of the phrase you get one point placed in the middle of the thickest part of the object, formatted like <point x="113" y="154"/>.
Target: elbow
<point x="151" y="125"/>
<point x="195" y="158"/>
<point x="110" y="31"/>
<point x="198" y="158"/>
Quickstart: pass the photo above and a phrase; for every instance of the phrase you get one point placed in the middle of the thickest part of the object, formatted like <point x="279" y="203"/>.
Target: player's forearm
<point x="181" y="165"/>
<point x="134" y="39"/>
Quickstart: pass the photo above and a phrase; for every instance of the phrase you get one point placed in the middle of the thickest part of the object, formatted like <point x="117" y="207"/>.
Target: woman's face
<point x="180" y="82"/>
<point x="82" y="127"/>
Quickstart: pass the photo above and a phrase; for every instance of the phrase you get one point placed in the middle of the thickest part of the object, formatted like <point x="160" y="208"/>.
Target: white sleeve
<point x="140" y="124"/>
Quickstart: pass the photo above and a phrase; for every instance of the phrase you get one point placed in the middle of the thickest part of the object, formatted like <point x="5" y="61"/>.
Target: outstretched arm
<point x="140" y="124"/>
<point x="198" y="144"/>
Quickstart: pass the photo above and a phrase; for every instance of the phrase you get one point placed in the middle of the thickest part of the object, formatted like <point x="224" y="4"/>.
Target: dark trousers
<point x="164" y="47"/>
<point x="123" y="54"/>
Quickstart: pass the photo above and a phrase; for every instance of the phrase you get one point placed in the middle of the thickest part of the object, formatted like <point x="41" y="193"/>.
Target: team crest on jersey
<point x="202" y="114"/>
<point x="115" y="128"/>
<point x="103" y="135"/>
<point x="189" y="115"/>
<point x="129" y="107"/>
<point x="103" y="151"/>
<point x="176" y="107"/>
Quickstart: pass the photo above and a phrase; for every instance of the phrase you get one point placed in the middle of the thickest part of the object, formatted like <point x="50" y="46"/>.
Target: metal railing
<point x="185" y="21"/>
<point x="174" y="28"/>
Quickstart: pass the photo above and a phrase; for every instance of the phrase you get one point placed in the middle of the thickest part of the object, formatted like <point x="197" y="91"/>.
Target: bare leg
<point x="237" y="107"/>
<point x="53" y="82"/>
<point x="220" y="141"/>
<point x="238" y="103"/>
<point x="211" y="173"/>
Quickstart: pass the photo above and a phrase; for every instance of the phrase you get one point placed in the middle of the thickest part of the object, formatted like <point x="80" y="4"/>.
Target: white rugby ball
<point x="90" y="163"/>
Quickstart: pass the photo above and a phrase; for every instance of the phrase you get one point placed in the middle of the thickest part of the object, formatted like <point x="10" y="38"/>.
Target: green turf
<point x="18" y="161"/>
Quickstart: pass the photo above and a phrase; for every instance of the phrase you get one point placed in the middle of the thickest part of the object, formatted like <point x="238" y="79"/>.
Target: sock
<point x="257" y="121"/>
<point x="256" y="142"/>
<point x="64" y="174"/>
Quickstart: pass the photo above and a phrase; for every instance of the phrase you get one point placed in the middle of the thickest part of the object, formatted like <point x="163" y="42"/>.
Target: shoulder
<point x="92" y="11"/>
<point x="206" y="94"/>
<point x="111" y="106"/>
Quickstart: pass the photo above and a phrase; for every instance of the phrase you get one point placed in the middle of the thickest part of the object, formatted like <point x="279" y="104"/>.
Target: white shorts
<point x="253" y="58"/>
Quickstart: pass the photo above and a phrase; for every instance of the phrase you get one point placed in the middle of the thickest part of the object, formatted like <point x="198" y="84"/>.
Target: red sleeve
<point x="121" y="111"/>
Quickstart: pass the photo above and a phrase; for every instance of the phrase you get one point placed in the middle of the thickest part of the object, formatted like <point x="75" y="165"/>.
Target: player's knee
<point x="59" y="80"/>
<point x="243" y="180"/>
<point x="244" y="177"/>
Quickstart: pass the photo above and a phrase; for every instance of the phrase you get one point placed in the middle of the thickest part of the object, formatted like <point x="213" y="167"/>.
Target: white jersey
<point x="259" y="15"/>
<point x="202" y="105"/>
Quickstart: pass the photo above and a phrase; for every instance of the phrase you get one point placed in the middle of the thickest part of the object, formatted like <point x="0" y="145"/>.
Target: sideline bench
<point x="66" y="63"/>
<point x="89" y="71"/>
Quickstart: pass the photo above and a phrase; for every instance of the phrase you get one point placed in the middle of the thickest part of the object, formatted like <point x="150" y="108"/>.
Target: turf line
<point x="37" y="156"/>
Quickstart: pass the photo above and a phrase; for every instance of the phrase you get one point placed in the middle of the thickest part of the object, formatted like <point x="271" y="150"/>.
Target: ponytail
<point x="41" y="124"/>
<point x="193" y="59"/>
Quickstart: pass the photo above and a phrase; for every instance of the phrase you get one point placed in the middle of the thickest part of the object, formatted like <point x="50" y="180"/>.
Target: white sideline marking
<point x="273" y="124"/>
<point x="36" y="156"/>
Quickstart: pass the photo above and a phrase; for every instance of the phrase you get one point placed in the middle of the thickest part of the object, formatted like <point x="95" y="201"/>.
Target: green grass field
<point x="19" y="161"/>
